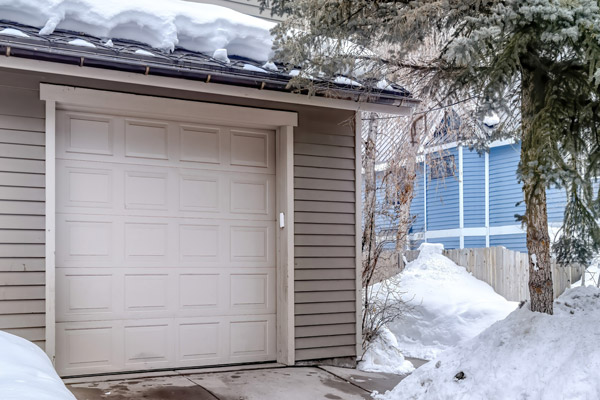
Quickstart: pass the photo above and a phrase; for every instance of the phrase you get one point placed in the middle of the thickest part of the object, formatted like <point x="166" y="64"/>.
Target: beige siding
<point x="22" y="153"/>
<point x="325" y="312"/>
<point x="324" y="208"/>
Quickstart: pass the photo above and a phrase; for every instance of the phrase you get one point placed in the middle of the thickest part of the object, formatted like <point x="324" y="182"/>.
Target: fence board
<point x="505" y="270"/>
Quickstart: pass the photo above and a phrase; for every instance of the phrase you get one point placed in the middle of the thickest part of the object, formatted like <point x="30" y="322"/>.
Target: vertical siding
<point x="442" y="199"/>
<point x="22" y="153"/>
<point x="325" y="269"/>
<point x="449" y="243"/>
<point x="472" y="242"/>
<point x="505" y="190"/>
<point x="473" y="188"/>
<point x="515" y="242"/>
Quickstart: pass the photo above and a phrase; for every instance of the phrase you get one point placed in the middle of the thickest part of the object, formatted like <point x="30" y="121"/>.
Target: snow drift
<point x="526" y="356"/>
<point x="448" y="305"/>
<point x="26" y="373"/>
<point x="163" y="25"/>
<point x="383" y="355"/>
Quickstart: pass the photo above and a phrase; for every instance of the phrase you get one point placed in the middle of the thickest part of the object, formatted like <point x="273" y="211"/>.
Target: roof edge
<point x="53" y="64"/>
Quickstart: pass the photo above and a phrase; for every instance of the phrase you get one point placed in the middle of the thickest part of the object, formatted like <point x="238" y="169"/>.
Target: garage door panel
<point x="89" y="292"/>
<point x="148" y="344"/>
<point x="121" y="189"/>
<point x="88" y="347"/>
<point x="146" y="139"/>
<point x="100" y="137"/>
<point x="166" y="237"/>
<point x="85" y="241"/>
<point x="85" y="294"/>
<point x="201" y="144"/>
<point x="99" y="240"/>
<point x="98" y="346"/>
<point x="83" y="133"/>
<point x="252" y="338"/>
<point x="85" y="187"/>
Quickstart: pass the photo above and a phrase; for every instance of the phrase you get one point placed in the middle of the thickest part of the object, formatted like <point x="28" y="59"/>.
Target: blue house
<point x="464" y="199"/>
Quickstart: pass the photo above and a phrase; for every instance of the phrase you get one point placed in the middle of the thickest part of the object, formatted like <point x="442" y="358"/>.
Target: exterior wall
<point x="443" y="208"/>
<point x="324" y="179"/>
<point x="473" y="188"/>
<point x="474" y="242"/>
<point x="515" y="242"/>
<point x="449" y="243"/>
<point x="417" y="207"/>
<point x="443" y="199"/>
<point x="22" y="154"/>
<point x="324" y="184"/>
<point x="505" y="190"/>
<point x="557" y="201"/>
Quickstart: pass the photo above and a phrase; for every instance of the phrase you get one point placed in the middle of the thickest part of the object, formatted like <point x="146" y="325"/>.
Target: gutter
<point x="208" y="72"/>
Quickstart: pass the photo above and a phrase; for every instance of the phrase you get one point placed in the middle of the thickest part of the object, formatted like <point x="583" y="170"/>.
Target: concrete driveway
<point x="252" y="383"/>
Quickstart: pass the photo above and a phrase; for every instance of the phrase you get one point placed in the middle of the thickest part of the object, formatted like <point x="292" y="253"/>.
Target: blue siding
<point x="417" y="206"/>
<point x="442" y="199"/>
<point x="505" y="190"/>
<point x="473" y="188"/>
<point x="449" y="243"/>
<point x="516" y="242"/>
<point x="556" y="200"/>
<point x="472" y="242"/>
<point x="382" y="222"/>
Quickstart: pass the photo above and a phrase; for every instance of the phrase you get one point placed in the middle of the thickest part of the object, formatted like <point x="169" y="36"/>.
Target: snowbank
<point x="26" y="373"/>
<point x="163" y="25"/>
<point x="526" y="356"/>
<point x="383" y="355"/>
<point x="448" y="304"/>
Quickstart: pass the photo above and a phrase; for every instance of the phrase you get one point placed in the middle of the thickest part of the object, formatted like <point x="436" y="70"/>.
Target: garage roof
<point x="68" y="47"/>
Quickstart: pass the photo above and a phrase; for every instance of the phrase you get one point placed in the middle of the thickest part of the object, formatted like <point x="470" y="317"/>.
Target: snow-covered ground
<point x="526" y="356"/>
<point x="447" y="305"/>
<point x="383" y="355"/>
<point x="26" y="373"/>
<point x="161" y="24"/>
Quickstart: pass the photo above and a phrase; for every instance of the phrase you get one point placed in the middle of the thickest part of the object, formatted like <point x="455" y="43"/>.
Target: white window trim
<point x="283" y="122"/>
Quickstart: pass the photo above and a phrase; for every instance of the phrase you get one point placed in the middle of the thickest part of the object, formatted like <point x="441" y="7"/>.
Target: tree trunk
<point x="534" y="191"/>
<point x="370" y="187"/>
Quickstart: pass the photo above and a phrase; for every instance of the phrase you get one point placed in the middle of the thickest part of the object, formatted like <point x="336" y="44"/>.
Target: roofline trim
<point x="47" y="67"/>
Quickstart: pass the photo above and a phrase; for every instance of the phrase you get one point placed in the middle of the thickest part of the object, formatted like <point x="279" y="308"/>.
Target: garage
<point x="165" y="240"/>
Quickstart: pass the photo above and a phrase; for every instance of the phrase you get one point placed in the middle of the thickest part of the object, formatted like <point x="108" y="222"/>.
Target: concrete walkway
<point x="259" y="382"/>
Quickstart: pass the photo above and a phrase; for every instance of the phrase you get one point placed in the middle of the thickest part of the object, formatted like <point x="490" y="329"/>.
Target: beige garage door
<point x="165" y="253"/>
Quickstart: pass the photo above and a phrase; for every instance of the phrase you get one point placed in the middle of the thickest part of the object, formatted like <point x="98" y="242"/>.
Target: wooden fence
<point x="504" y="270"/>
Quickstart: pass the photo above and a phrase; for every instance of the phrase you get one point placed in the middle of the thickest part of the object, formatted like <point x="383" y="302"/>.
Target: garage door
<point x="165" y="253"/>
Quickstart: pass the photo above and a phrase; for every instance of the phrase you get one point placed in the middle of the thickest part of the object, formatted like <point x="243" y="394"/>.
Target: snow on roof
<point x="163" y="25"/>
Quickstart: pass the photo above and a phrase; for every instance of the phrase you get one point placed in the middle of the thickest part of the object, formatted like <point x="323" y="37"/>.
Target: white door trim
<point x="70" y="98"/>
<point x="50" y="212"/>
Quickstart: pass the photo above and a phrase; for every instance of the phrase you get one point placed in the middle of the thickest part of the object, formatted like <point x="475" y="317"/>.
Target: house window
<point x="442" y="167"/>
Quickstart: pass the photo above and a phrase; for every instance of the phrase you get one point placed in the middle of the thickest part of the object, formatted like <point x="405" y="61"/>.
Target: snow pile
<point x="526" y="356"/>
<point x="592" y="275"/>
<point x="383" y="355"/>
<point x="448" y="305"/>
<point x="26" y="373"/>
<point x="163" y="25"/>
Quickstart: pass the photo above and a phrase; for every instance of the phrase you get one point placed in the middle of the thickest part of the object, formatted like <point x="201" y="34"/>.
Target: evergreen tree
<point x="537" y="62"/>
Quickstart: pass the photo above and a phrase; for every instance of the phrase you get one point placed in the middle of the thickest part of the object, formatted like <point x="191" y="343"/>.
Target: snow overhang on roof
<point x="75" y="48"/>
